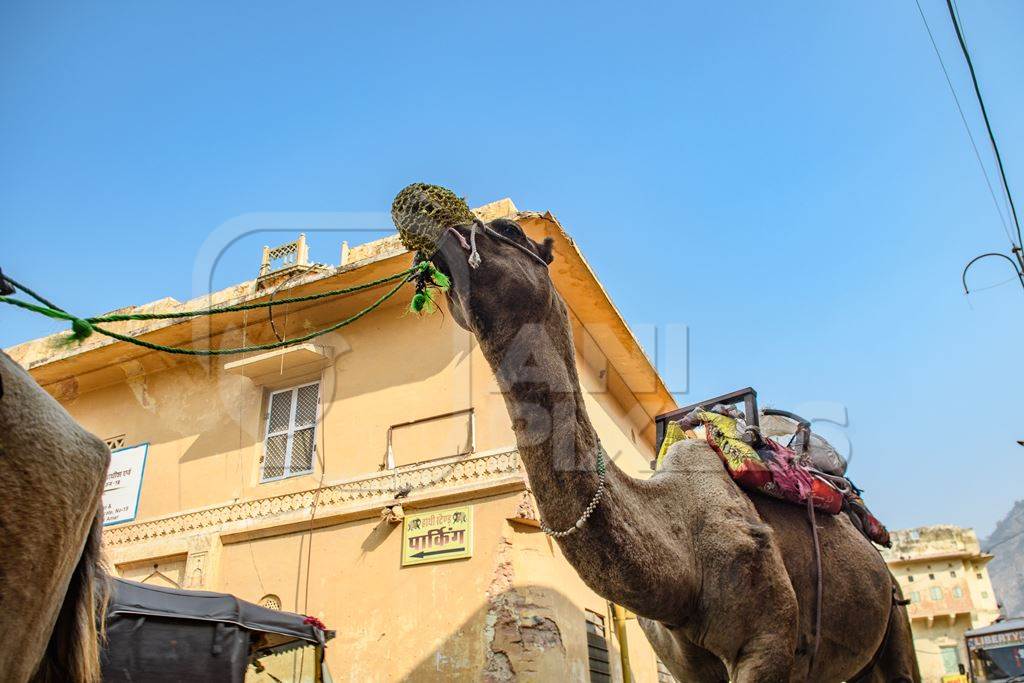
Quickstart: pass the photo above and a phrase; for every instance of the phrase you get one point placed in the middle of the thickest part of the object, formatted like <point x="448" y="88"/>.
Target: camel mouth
<point x="451" y="258"/>
<point x="451" y="253"/>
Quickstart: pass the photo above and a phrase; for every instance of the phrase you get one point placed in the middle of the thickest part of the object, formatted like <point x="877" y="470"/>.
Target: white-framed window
<point x="290" y="437"/>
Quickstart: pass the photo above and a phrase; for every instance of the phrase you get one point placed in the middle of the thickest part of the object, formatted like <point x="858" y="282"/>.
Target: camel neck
<point x="536" y="372"/>
<point x="535" y="367"/>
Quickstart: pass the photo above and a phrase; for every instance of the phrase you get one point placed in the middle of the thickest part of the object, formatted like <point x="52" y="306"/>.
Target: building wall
<point x="942" y="571"/>
<point x="317" y="543"/>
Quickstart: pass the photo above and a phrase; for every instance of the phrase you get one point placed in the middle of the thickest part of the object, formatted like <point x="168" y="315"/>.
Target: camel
<point x="722" y="582"/>
<point x="52" y="586"/>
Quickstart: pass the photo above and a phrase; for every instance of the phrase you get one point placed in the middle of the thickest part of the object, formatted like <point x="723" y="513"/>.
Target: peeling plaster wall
<point x="465" y="620"/>
<point x="523" y="639"/>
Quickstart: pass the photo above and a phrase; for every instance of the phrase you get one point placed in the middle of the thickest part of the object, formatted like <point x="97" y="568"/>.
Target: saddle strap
<point x="818" y="582"/>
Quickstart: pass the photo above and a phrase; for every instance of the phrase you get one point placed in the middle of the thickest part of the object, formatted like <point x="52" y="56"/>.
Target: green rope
<point x="258" y="347"/>
<point x="37" y="297"/>
<point x="55" y="313"/>
<point x="82" y="328"/>
<point x="415" y="270"/>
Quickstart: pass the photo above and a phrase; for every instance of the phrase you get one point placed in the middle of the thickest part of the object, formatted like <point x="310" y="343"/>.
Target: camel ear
<point x="547" y="250"/>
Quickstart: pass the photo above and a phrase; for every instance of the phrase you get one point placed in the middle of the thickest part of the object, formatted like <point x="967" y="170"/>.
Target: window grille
<point x="283" y="256"/>
<point x="597" y="647"/>
<point x="936" y="593"/>
<point x="270" y="601"/>
<point x="276" y="259"/>
<point x="290" y="440"/>
<point x="115" y="442"/>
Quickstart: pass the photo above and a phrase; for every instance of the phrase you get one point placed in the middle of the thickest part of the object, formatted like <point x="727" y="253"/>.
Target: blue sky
<point x="789" y="180"/>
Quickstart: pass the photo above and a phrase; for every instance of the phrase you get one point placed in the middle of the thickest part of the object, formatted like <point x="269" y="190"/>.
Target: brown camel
<point x="51" y="583"/>
<point x="723" y="582"/>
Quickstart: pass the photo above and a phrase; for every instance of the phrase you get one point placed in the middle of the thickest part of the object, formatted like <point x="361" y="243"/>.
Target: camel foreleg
<point x="765" y="659"/>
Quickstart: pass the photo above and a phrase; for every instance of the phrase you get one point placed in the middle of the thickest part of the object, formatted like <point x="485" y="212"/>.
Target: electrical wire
<point x="321" y="456"/>
<point x="963" y="117"/>
<point x="963" y="30"/>
<point x="984" y="114"/>
<point x="998" y="284"/>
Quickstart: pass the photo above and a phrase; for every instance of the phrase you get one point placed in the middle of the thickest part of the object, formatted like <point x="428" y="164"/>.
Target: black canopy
<point x="129" y="597"/>
<point x="167" y="634"/>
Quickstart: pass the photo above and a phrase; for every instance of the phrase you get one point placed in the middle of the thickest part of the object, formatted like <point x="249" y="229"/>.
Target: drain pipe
<point x="619" y="619"/>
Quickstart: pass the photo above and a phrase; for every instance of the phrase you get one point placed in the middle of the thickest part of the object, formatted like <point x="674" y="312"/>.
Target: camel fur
<point x="52" y="585"/>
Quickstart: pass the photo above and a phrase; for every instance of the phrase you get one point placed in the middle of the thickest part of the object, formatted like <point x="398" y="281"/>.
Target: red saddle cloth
<point x="776" y="471"/>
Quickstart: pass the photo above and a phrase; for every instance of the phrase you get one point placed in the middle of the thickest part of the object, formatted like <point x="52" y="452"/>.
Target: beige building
<point x="282" y="477"/>
<point x="942" y="572"/>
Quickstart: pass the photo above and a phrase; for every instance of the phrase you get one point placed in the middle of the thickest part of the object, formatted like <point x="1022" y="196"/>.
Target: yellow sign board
<point x="437" y="535"/>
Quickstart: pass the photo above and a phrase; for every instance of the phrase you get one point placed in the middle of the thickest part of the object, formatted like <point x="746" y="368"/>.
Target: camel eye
<point x="509" y="229"/>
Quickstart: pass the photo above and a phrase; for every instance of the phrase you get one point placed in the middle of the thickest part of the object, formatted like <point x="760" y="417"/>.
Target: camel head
<point x="499" y="275"/>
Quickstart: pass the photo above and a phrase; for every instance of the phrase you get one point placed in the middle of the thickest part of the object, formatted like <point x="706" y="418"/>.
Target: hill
<point x="1007" y="569"/>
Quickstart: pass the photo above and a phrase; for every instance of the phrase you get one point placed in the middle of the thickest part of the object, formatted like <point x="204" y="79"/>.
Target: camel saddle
<point x="805" y="470"/>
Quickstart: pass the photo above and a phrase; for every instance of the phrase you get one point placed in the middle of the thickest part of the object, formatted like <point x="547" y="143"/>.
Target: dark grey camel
<point x="723" y="582"/>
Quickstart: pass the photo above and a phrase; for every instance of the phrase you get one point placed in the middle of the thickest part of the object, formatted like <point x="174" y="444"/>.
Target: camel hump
<point x="690" y="455"/>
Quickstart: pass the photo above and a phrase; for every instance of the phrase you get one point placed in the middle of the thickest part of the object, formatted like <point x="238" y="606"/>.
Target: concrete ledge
<point x="329" y="518"/>
<point x="282" y="367"/>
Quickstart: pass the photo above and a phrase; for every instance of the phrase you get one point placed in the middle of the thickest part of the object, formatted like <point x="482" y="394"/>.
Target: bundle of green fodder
<point x="422" y="212"/>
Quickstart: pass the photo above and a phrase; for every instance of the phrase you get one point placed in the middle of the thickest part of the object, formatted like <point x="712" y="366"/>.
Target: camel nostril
<point x="462" y="240"/>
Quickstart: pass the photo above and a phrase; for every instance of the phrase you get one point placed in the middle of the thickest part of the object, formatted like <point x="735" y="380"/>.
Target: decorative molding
<point x="422" y="480"/>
